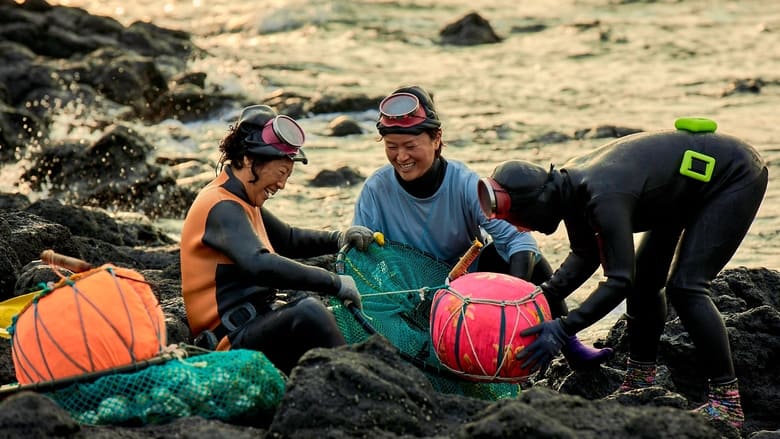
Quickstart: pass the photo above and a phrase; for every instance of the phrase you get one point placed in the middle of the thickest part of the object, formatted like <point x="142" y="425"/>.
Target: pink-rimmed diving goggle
<point x="496" y="202"/>
<point x="280" y="136"/>
<point x="494" y="199"/>
<point x="401" y="110"/>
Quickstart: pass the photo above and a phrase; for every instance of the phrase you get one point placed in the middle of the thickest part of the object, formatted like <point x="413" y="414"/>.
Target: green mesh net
<point x="215" y="385"/>
<point x="397" y="284"/>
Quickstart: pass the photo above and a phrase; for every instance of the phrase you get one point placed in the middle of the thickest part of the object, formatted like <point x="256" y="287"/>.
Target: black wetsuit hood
<point x="535" y="193"/>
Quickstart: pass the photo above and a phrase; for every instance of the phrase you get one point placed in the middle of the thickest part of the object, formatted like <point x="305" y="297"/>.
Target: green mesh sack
<point x="397" y="284"/>
<point x="216" y="385"/>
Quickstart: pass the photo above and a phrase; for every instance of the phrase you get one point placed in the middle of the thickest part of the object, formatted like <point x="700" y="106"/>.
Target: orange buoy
<point x="92" y="321"/>
<point x="476" y="321"/>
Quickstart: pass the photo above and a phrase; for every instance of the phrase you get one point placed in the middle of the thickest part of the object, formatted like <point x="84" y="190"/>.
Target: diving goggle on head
<point x="494" y="199"/>
<point x="280" y="137"/>
<point x="401" y="110"/>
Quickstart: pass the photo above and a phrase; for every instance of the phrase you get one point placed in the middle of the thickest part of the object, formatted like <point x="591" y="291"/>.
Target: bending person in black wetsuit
<point x="234" y="251"/>
<point x="694" y="194"/>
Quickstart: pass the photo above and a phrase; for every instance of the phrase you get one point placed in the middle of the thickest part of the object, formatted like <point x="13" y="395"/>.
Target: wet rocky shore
<point x="368" y="390"/>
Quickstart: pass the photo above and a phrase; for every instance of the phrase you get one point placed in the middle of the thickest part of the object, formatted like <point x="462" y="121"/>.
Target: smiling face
<point x="272" y="177"/>
<point x="411" y="155"/>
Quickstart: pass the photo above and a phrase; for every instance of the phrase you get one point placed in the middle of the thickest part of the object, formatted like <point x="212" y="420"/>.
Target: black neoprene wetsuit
<point x="644" y="183"/>
<point x="228" y="262"/>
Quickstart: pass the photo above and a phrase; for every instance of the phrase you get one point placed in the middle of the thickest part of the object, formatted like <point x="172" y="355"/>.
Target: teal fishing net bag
<point x="397" y="284"/>
<point x="215" y="385"/>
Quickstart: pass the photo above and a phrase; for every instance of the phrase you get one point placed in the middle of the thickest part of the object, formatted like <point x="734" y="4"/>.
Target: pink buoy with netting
<point x="476" y="321"/>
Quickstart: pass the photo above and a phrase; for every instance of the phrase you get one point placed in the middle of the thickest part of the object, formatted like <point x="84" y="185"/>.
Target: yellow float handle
<point x="465" y="261"/>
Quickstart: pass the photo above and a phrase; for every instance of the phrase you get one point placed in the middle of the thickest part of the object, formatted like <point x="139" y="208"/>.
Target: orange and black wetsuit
<point x="235" y="256"/>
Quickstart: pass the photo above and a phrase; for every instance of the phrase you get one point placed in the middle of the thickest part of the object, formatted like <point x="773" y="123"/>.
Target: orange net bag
<point x="93" y="321"/>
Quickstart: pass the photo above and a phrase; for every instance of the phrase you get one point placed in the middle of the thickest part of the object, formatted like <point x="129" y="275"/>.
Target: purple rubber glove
<point x="581" y="357"/>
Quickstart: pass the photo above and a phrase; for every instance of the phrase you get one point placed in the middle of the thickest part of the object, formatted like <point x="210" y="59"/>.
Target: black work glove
<point x="348" y="292"/>
<point x="359" y="237"/>
<point x="540" y="353"/>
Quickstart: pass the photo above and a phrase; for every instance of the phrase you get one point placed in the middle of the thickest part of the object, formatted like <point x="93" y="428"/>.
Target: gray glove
<point x="349" y="292"/>
<point x="359" y="237"/>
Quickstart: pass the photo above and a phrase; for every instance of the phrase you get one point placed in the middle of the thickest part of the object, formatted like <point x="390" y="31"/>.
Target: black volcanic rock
<point x="369" y="390"/>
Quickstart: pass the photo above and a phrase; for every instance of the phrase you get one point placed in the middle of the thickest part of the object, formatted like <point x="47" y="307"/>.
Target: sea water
<point x="562" y="66"/>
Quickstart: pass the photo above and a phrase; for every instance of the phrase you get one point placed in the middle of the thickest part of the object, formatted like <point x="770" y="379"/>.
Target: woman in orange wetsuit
<point x="235" y="254"/>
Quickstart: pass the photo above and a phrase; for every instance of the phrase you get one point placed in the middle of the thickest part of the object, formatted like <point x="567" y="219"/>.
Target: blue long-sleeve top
<point x="444" y="224"/>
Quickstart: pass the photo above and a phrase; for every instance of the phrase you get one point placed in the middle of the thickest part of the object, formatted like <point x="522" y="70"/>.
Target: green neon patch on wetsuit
<point x="696" y="124"/>
<point x="692" y="164"/>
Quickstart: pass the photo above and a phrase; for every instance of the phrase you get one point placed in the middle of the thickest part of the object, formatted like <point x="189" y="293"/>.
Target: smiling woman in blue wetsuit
<point x="430" y="203"/>
<point x="235" y="254"/>
<point x="695" y="194"/>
